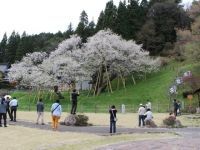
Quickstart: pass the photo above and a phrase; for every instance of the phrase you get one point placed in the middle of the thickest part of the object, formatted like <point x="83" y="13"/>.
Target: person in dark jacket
<point x="74" y="99"/>
<point x="175" y="107"/>
<point x="8" y="107"/>
<point x="3" y="106"/>
<point x="40" y="111"/>
<point x="113" y="119"/>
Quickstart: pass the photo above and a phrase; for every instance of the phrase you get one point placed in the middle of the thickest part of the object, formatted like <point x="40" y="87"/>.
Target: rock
<point x="70" y="120"/>
<point x="76" y="120"/>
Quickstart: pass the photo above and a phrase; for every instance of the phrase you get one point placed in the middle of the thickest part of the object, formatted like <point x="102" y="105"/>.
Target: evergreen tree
<point x="25" y="45"/>
<point x="100" y="22"/>
<point x="12" y="46"/>
<point x="110" y="16"/>
<point x="134" y="23"/>
<point x="166" y="18"/>
<point x="3" y="45"/>
<point x="122" y="21"/>
<point x="81" y="28"/>
<point x="69" y="31"/>
<point x="90" y="29"/>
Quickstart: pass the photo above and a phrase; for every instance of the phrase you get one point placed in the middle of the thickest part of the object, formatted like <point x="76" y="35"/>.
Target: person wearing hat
<point x="141" y="112"/>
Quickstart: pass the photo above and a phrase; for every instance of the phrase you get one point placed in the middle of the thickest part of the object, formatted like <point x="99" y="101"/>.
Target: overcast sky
<point x="36" y="16"/>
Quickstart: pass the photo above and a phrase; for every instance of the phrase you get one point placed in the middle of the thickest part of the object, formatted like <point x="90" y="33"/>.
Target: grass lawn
<point x="24" y="138"/>
<point x="33" y="139"/>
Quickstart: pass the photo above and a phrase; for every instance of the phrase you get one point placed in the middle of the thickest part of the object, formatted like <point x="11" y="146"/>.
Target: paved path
<point x="189" y="138"/>
<point x="100" y="130"/>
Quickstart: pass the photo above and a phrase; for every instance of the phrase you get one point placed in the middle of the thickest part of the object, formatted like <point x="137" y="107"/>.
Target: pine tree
<point x="122" y="21"/>
<point x="69" y="31"/>
<point x="81" y="28"/>
<point x="90" y="29"/>
<point x="100" y="22"/>
<point x="25" y="46"/>
<point x="165" y="17"/>
<point x="133" y="18"/>
<point x="12" y="46"/>
<point x="110" y="15"/>
<point x="3" y="45"/>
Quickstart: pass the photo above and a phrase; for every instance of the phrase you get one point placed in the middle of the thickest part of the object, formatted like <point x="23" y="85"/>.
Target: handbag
<point x="55" y="109"/>
<point x="115" y="118"/>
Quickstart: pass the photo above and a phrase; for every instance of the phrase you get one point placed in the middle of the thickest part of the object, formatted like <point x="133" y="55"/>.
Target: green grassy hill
<point x="155" y="88"/>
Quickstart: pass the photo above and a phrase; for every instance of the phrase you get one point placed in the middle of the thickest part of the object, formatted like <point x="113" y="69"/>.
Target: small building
<point x="4" y="70"/>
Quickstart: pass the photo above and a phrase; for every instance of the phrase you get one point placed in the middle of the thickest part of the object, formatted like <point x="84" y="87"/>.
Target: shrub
<point x="186" y="93"/>
<point x="170" y="121"/>
<point x="189" y="109"/>
<point x="81" y="120"/>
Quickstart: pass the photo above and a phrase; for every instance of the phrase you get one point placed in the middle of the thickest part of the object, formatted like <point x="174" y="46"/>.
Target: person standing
<point x="74" y="99"/>
<point x="148" y="105"/>
<point x="141" y="112"/>
<point x="8" y="107"/>
<point x="40" y="111"/>
<point x="113" y="119"/>
<point x="56" y="111"/>
<point x="179" y="108"/>
<point x="175" y="107"/>
<point x="13" y="105"/>
<point x="3" y="111"/>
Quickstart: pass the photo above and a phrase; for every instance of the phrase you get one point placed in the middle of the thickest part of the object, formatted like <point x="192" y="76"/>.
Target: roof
<point x="3" y="67"/>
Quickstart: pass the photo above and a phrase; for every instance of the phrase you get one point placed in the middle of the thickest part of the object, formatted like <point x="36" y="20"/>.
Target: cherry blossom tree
<point x="107" y="56"/>
<point x="27" y="72"/>
<point x="103" y="58"/>
<point x="65" y="62"/>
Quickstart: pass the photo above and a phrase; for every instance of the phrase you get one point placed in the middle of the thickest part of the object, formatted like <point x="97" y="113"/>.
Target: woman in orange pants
<point x="56" y="111"/>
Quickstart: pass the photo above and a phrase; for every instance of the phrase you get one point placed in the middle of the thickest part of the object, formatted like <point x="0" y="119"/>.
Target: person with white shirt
<point x="149" y="115"/>
<point x="56" y="111"/>
<point x="13" y="106"/>
<point x="141" y="112"/>
<point x="148" y="105"/>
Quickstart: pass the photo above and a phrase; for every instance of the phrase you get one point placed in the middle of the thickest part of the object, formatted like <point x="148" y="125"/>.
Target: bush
<point x="170" y="121"/>
<point x="186" y="93"/>
<point x="189" y="109"/>
<point x="81" y="120"/>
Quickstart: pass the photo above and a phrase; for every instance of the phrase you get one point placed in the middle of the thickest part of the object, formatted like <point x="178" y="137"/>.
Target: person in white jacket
<point x="149" y="115"/>
<point x="141" y="112"/>
<point x="56" y="110"/>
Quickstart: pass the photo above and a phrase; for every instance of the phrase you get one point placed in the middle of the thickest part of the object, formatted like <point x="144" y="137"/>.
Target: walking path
<point x="188" y="140"/>
<point x="100" y="130"/>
